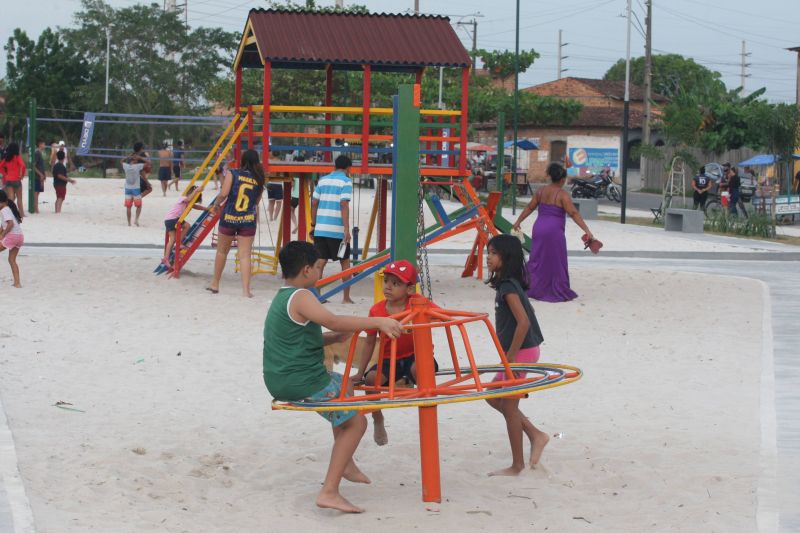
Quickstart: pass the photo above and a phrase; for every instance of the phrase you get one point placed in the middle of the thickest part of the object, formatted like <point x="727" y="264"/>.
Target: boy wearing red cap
<point x="399" y="287"/>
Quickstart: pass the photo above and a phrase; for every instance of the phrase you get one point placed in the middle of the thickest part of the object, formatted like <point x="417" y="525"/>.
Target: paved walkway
<point x="779" y="486"/>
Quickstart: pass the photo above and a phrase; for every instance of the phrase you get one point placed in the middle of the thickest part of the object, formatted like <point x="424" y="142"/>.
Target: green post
<point x="405" y="182"/>
<point x="31" y="151"/>
<point x="501" y="140"/>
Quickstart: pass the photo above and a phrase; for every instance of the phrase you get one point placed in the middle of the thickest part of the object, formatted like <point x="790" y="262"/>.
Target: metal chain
<point x="422" y="249"/>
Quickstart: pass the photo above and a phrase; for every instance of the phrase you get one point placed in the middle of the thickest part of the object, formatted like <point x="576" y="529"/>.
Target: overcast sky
<point x="711" y="32"/>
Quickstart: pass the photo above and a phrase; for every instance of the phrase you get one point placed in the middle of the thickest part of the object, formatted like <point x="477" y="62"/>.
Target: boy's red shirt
<point x="405" y="342"/>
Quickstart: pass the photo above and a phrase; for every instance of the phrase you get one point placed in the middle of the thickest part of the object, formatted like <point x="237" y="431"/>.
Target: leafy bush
<point x="756" y="225"/>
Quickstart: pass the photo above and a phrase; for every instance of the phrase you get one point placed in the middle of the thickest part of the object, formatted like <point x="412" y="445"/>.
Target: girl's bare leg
<point x="12" y="260"/>
<point x="510" y="409"/>
<point x="538" y="438"/>
<point x="169" y="245"/>
<point x="223" y="247"/>
<point x="245" y="265"/>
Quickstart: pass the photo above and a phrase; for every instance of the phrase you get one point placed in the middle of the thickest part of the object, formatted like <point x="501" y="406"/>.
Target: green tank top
<point x="293" y="355"/>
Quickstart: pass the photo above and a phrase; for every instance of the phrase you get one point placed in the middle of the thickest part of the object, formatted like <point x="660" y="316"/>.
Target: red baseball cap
<point x="404" y="271"/>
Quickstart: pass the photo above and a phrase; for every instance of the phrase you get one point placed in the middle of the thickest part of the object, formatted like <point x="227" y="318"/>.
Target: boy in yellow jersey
<point x="294" y="362"/>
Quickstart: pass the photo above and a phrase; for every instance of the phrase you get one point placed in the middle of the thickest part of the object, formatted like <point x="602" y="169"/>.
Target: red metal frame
<point x="367" y="99"/>
<point x="265" y="133"/>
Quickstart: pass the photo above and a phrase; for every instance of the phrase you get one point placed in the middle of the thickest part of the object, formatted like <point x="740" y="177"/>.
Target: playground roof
<point x="387" y="42"/>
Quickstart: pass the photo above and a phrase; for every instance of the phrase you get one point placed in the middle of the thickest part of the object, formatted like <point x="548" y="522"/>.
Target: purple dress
<point x="547" y="267"/>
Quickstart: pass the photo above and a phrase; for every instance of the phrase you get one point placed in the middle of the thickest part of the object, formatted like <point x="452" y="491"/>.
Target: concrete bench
<point x="587" y="207"/>
<point x="685" y="220"/>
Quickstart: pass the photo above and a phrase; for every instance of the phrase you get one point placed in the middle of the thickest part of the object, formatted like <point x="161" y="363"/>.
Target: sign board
<point x="784" y="205"/>
<point x="544" y="156"/>
<point x="85" y="142"/>
<point x="588" y="155"/>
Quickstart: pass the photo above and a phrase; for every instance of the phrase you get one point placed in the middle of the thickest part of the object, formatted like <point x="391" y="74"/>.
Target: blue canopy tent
<point x="522" y="144"/>
<point x="759" y="160"/>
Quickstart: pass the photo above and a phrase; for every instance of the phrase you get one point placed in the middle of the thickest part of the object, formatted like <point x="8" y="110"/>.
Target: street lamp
<point x="108" y="56"/>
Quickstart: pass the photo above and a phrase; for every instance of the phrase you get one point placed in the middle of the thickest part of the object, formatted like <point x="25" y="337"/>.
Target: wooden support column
<point x="237" y="103"/>
<point x="462" y="155"/>
<point x="302" y="207"/>
<point x="267" y="99"/>
<point x="367" y="99"/>
<point x="286" y="212"/>
<point x="327" y="155"/>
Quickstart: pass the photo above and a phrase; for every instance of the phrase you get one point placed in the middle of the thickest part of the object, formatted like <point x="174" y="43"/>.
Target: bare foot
<point x="379" y="434"/>
<point x="353" y="474"/>
<point x="348" y="301"/>
<point x="338" y="502"/>
<point x="17" y="285"/>
<point x="540" y="440"/>
<point x="248" y="295"/>
<point x="137" y="223"/>
<point x="510" y="471"/>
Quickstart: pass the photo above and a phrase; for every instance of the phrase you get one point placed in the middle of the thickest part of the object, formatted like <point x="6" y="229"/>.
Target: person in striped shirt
<point x="330" y="212"/>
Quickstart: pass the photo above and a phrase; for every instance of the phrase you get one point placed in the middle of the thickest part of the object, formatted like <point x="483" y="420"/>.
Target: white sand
<point x="177" y="433"/>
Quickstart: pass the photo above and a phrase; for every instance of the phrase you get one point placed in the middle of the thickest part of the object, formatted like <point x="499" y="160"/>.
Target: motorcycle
<point x="597" y="186"/>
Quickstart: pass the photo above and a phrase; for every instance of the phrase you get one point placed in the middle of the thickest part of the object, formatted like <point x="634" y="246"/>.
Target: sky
<point x="710" y="32"/>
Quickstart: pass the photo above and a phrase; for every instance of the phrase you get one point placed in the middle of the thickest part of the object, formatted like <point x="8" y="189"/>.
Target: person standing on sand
<point x="60" y="180"/>
<point x="294" y="369"/>
<point x="13" y="169"/>
<point x="41" y="176"/>
<point x="177" y="164"/>
<point x="242" y="189"/>
<point x="330" y="215"/>
<point x="548" y="269"/>
<point x="164" y="167"/>
<point x="11" y="237"/>
<point x="520" y="336"/>
<point x="133" y="166"/>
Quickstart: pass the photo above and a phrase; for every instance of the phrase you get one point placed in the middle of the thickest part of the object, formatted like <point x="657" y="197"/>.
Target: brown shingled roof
<point x="296" y="38"/>
<point x="616" y="89"/>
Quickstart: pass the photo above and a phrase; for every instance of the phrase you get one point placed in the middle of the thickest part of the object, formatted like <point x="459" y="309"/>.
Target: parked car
<point x="715" y="171"/>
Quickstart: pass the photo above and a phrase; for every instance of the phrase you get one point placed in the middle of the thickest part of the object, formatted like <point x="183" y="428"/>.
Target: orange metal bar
<point x="452" y="345"/>
<point x="352" y="270"/>
<point x="350" y="355"/>
<point x="471" y="358"/>
<point x="428" y="418"/>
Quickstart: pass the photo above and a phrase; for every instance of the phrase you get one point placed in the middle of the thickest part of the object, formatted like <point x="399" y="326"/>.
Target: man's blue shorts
<point x="331" y="391"/>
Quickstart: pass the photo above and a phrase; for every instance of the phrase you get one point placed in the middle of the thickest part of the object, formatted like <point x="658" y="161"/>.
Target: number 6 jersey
<point x="242" y="203"/>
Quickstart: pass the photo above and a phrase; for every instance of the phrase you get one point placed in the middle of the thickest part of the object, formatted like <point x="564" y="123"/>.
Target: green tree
<point x="47" y="69"/>
<point x="501" y="63"/>
<point x="672" y="74"/>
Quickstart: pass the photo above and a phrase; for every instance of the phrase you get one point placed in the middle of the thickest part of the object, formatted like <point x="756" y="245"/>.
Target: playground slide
<point x="202" y="221"/>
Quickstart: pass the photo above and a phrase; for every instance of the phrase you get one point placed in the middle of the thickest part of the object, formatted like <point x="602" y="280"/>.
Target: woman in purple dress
<point x="547" y="266"/>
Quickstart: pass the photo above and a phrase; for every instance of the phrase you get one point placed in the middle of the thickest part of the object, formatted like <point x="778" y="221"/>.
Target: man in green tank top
<point x="294" y="366"/>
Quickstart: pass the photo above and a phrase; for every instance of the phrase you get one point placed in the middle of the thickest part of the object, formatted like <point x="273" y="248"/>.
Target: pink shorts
<point x="526" y="355"/>
<point x="13" y="240"/>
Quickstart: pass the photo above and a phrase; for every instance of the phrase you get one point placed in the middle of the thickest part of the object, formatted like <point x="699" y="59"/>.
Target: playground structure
<point x="269" y="42"/>
<point x="262" y="42"/>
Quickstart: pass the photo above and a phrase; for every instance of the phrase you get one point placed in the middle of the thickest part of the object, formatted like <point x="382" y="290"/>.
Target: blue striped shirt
<point x="330" y="192"/>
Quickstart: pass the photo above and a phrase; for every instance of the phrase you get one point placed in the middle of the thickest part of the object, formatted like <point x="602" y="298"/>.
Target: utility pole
<point x="416" y="6"/>
<point x="796" y="49"/>
<point x="745" y="64"/>
<point x="625" y="120"/>
<point x="648" y="72"/>
<point x="474" y="24"/>
<point x="561" y="57"/>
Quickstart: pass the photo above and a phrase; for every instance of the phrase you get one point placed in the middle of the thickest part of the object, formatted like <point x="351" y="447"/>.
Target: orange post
<point x="428" y="419"/>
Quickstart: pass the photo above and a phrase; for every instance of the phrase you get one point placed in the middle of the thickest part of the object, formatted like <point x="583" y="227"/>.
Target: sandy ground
<point x="93" y="212"/>
<point x="173" y="429"/>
